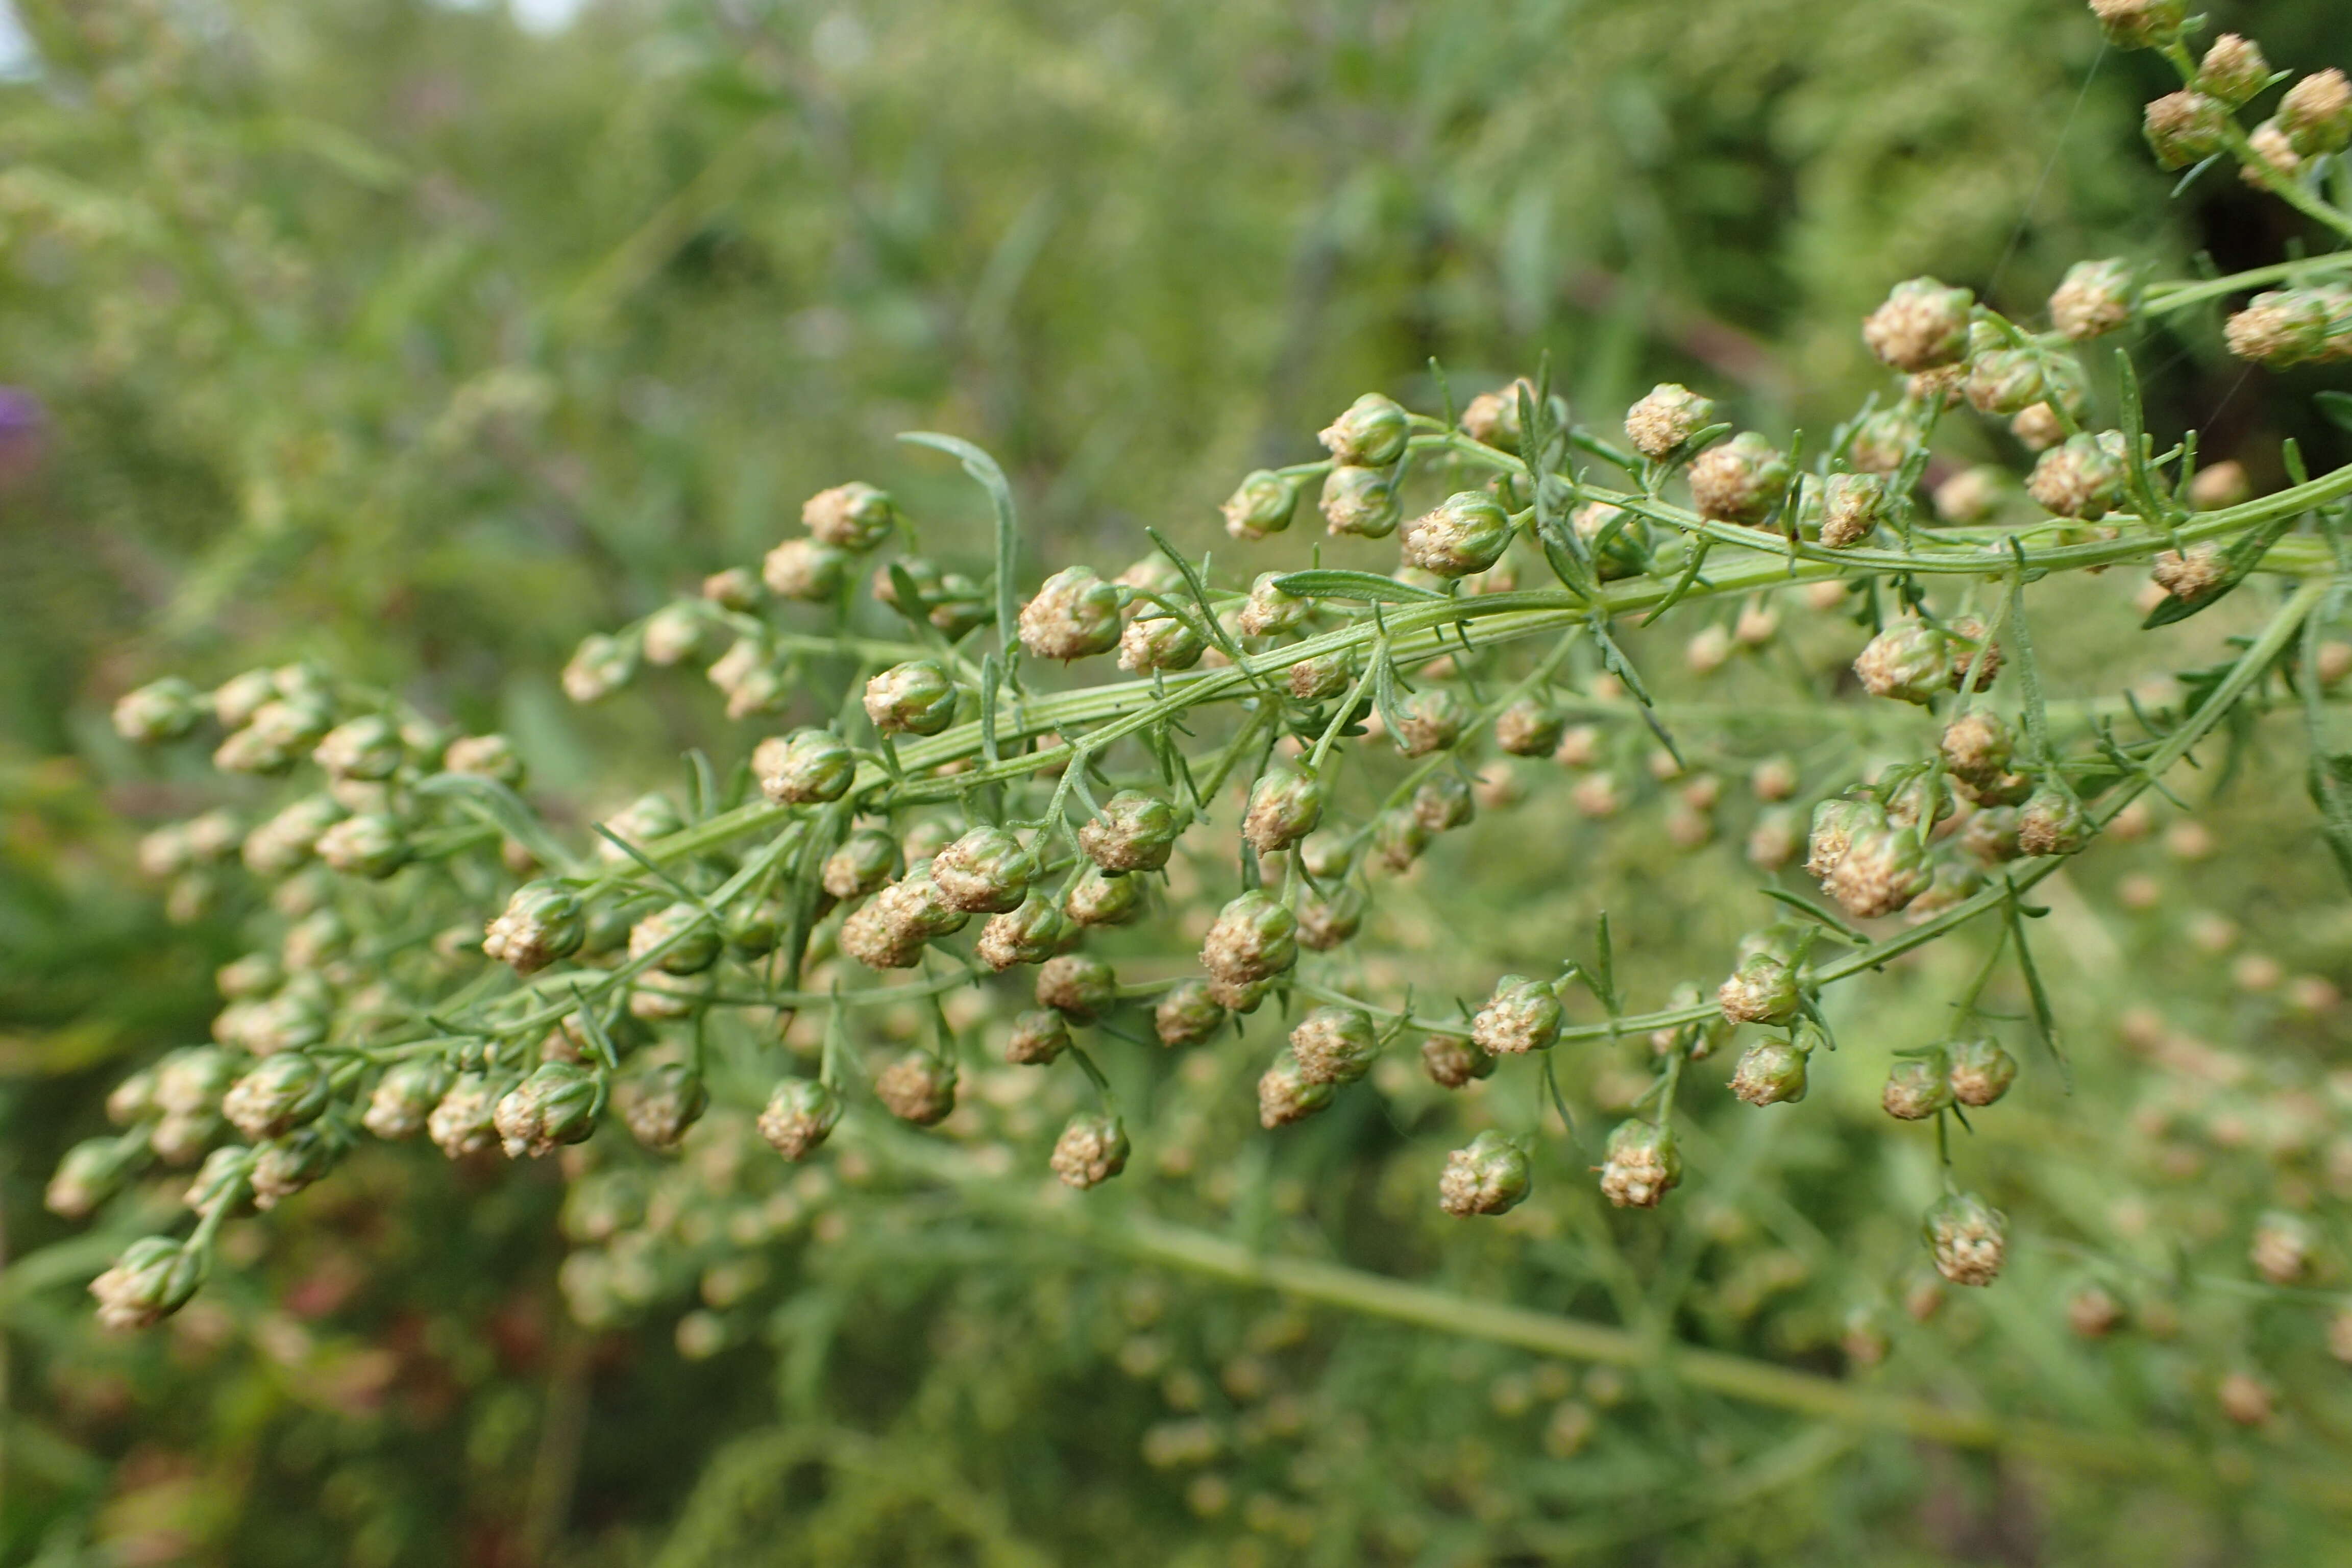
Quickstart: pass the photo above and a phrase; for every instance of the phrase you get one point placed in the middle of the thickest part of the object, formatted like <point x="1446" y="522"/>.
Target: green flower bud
<point x="687" y="940"/>
<point x="866" y="859"/>
<point x="1287" y="1094"/>
<point x="1969" y="1237"/>
<point x="1441" y="803"/>
<point x="368" y="747"/>
<point x="2051" y="822"/>
<point x="1490" y="1176"/>
<point x="918" y="1088"/>
<point x="1074" y="615"/>
<point x="1770" y="1072"/>
<point x="1529" y="727"/>
<point x="86" y="1175"/>
<point x="890" y="931"/>
<point x="1641" y="1165"/>
<point x="1883" y="442"/>
<point x="1398" y="838"/>
<point x="373" y="845"/>
<point x="1763" y="990"/>
<point x="279" y="1094"/>
<point x="1372" y="433"/>
<point x="2290" y="326"/>
<point x="2317" y="114"/>
<point x="803" y="768"/>
<point x="1467" y="533"/>
<point x="2233" y="70"/>
<point x="1661" y="422"/>
<point x="1492" y="418"/>
<point x="1187" y="1016"/>
<point x="1135" y="832"/>
<point x="2185" y="127"/>
<point x="1451" y="1062"/>
<point x="1922" y="326"/>
<point x="1739" y="481"/>
<point x="1429" y="719"/>
<point x="1030" y="934"/>
<point x="2140" y="24"/>
<point x="1254" y="937"/>
<point x="806" y="568"/>
<point x="660" y="1103"/>
<point x="1240" y="996"/>
<point x="1882" y="870"/>
<point x="1851" y="505"/>
<point x="1156" y="640"/>
<point x="238" y="699"/>
<point x="986" y="871"/>
<point x="2094" y="298"/>
<point x="554" y="1106"/>
<point x="1285" y="805"/>
<point x="284" y="1166"/>
<point x="1262" y="506"/>
<point x="601" y="666"/>
<point x="1092" y="1149"/>
<point x="1039" y="1035"/>
<point x="1362" y="502"/>
<point x="916" y="697"/>
<point x="1097" y="898"/>
<point x="249" y="750"/>
<point x="853" y="516"/>
<point x="282" y="844"/>
<point x="1617" y="540"/>
<point x="405" y="1096"/>
<point x="1269" y="611"/>
<point x="464" y="1123"/>
<point x="1334" y="1044"/>
<point x="155" y="1278"/>
<point x="1982" y="1071"/>
<point x="1917" y="1087"/>
<point x="800" y="1115"/>
<point x="1910" y="661"/>
<point x="226" y="1178"/>
<point x="1522" y="1015"/>
<point x="1327" y="919"/>
<point x="542" y="922"/>
<point x="1319" y="680"/>
<point x="675" y="633"/>
<point x="190" y="1081"/>
<point x="1080" y="987"/>
<point x="133" y="1099"/>
<point x="161" y="709"/>
<point x="2004" y="382"/>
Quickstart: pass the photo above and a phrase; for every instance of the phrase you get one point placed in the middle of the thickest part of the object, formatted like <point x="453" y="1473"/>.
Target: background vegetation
<point x="393" y="335"/>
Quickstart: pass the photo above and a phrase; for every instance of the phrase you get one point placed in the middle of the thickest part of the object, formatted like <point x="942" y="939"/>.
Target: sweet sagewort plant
<point x="971" y="798"/>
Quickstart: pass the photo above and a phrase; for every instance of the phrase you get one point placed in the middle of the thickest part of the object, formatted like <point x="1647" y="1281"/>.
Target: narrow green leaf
<point x="2143" y="482"/>
<point x="2336" y="405"/>
<point x="2243" y="556"/>
<point x="2028" y="673"/>
<point x="984" y="471"/>
<point x="2045" y="1021"/>
<point x="493" y="802"/>
<point x="1330" y="582"/>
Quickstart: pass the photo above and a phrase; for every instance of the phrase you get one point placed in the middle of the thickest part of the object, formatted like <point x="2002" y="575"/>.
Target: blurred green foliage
<point x="396" y="336"/>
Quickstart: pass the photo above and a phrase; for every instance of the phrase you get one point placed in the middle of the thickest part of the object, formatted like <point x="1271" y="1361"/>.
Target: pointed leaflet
<point x="2045" y="1022"/>
<point x="1329" y="582"/>
<point x="1544" y="450"/>
<point x="990" y="478"/>
<point x="500" y="808"/>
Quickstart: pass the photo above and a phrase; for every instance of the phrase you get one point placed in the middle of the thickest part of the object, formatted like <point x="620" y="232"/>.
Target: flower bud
<point x="190" y="1081"/>
<point x="1372" y="433"/>
<point x="2315" y="113"/>
<point x="1441" y="803"/>
<point x="464" y="1122"/>
<point x="1882" y="870"/>
<point x="372" y="845"/>
<point x="1451" y="1062"/>
<point x="1851" y="505"/>
<point x="1969" y="1237"/>
<point x="686" y="940"/>
<point x="805" y="569"/>
<point x="249" y="750"/>
<point x="1739" y="481"/>
<point x="915" y="697"/>
<point x="1362" y="502"/>
<point x="491" y="756"/>
<point x="986" y="871"/>
<point x="86" y="1175"/>
<point x="674" y="633"/>
<point x="225" y="1178"/>
<point x="236" y="700"/>
<point x="542" y="922"/>
<point x="733" y="589"/>
<point x="2140" y="24"/>
<point x="1240" y="996"/>
<point x="1319" y="680"/>
<point x="1334" y="1044"/>
<point x="1488" y="1177"/>
<point x="2281" y="1247"/>
<point x="1399" y="838"/>
<point x="1187" y="1014"/>
<point x="405" y="1096"/>
<point x="1157" y="641"/>
<point x="1031" y="933"/>
<point x="800" y="1115"/>
<point x="2051" y="822"/>
<point x="1075" y="614"/>
<point x="1097" y="898"/>
<point x="1135" y="832"/>
<point x="889" y="931"/>
<point x="659" y="1104"/>
<point x="1254" y="937"/>
<point x="1467" y="533"/>
<point x="1285" y="805"/>
<point x="1641" y="1165"/>
<point x="854" y="516"/>
<point x="1529" y="727"/>
<point x="284" y="1166"/>
<point x="2233" y="70"/>
<point x="161" y="709"/>
<point x="918" y="1088"/>
<point x="155" y="1278"/>
<point x="1922" y="325"/>
<point x="1270" y="612"/>
<point x="1910" y="661"/>
<point x="2184" y="127"/>
<point x="2190" y="577"/>
<point x="1763" y="990"/>
<point x="1977" y="745"/>
<point x="133" y="1099"/>
<point x="1671" y="415"/>
<point x="2094" y="298"/>
<point x="1492" y="418"/>
<point x="601" y="666"/>
<point x="1431" y="720"/>
<point x="554" y="1106"/>
<point x="1263" y="505"/>
<point x="2004" y="381"/>
<point x="1326" y="921"/>
<point x="1092" y="1149"/>
<point x="1770" y="1072"/>
<point x="1917" y="1087"/>
<point x="803" y="768"/>
<point x="1982" y="1071"/>
<point x="1081" y="988"/>
<point x="1039" y="1035"/>
<point x="2286" y="327"/>
<point x="1522" y="1015"/>
<point x="866" y="859"/>
<point x="278" y="1095"/>
<point x="1287" y="1094"/>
